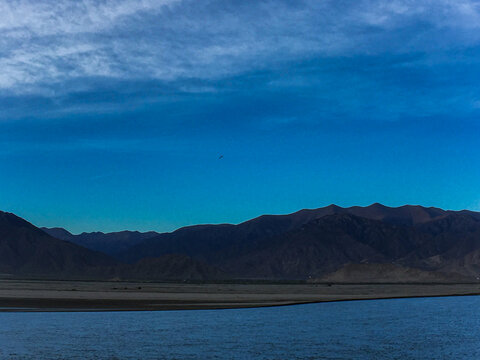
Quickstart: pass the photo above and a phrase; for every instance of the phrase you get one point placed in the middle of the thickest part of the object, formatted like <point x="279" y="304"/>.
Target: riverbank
<point x="39" y="295"/>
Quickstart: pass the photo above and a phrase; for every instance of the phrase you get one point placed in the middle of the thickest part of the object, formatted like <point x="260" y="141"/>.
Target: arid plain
<point x="40" y="295"/>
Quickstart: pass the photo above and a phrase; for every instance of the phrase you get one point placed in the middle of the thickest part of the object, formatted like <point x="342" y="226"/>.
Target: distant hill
<point x="203" y="241"/>
<point x="108" y="243"/>
<point x="324" y="245"/>
<point x="27" y="250"/>
<point x="356" y="244"/>
<point x="312" y="243"/>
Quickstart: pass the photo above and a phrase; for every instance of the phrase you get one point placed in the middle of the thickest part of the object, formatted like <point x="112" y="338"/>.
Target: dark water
<point x="427" y="328"/>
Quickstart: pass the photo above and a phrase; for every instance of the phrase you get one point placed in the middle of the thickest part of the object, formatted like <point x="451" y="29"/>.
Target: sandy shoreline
<point x="36" y="295"/>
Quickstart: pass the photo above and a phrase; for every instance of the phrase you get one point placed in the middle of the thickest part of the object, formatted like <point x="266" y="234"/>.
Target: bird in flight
<point x="220" y="157"/>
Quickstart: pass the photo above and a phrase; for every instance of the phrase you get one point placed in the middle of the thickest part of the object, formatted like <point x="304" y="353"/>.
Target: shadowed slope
<point x="27" y="250"/>
<point x="324" y="245"/>
<point x="308" y="244"/>
<point x="314" y="242"/>
<point x="206" y="242"/>
<point x="108" y="243"/>
<point x="171" y="267"/>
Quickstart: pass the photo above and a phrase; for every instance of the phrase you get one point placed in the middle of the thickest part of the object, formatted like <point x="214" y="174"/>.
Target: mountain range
<point x="332" y="244"/>
<point x="26" y="250"/>
<point x="108" y="243"/>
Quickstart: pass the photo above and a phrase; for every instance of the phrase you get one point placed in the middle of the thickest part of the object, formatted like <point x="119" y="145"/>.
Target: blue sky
<point x="113" y="114"/>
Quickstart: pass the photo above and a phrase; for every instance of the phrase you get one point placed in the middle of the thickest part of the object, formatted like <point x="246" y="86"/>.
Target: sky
<point x="116" y="114"/>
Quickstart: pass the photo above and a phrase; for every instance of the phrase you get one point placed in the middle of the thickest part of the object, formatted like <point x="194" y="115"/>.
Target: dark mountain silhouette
<point x="374" y="243"/>
<point x="204" y="241"/>
<point x="27" y="250"/>
<point x="59" y="233"/>
<point x="324" y="245"/>
<point x="108" y="243"/>
<point x="453" y="245"/>
<point x="312" y="243"/>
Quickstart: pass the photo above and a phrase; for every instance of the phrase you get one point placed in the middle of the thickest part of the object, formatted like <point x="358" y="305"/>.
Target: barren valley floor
<point x="40" y="295"/>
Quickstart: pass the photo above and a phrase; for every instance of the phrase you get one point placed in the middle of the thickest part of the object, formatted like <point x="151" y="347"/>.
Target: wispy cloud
<point x="45" y="45"/>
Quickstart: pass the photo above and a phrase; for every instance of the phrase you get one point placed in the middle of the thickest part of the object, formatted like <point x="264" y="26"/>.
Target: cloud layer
<point x="48" y="46"/>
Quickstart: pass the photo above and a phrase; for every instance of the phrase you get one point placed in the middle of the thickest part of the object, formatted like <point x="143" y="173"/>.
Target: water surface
<point x="421" y="328"/>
